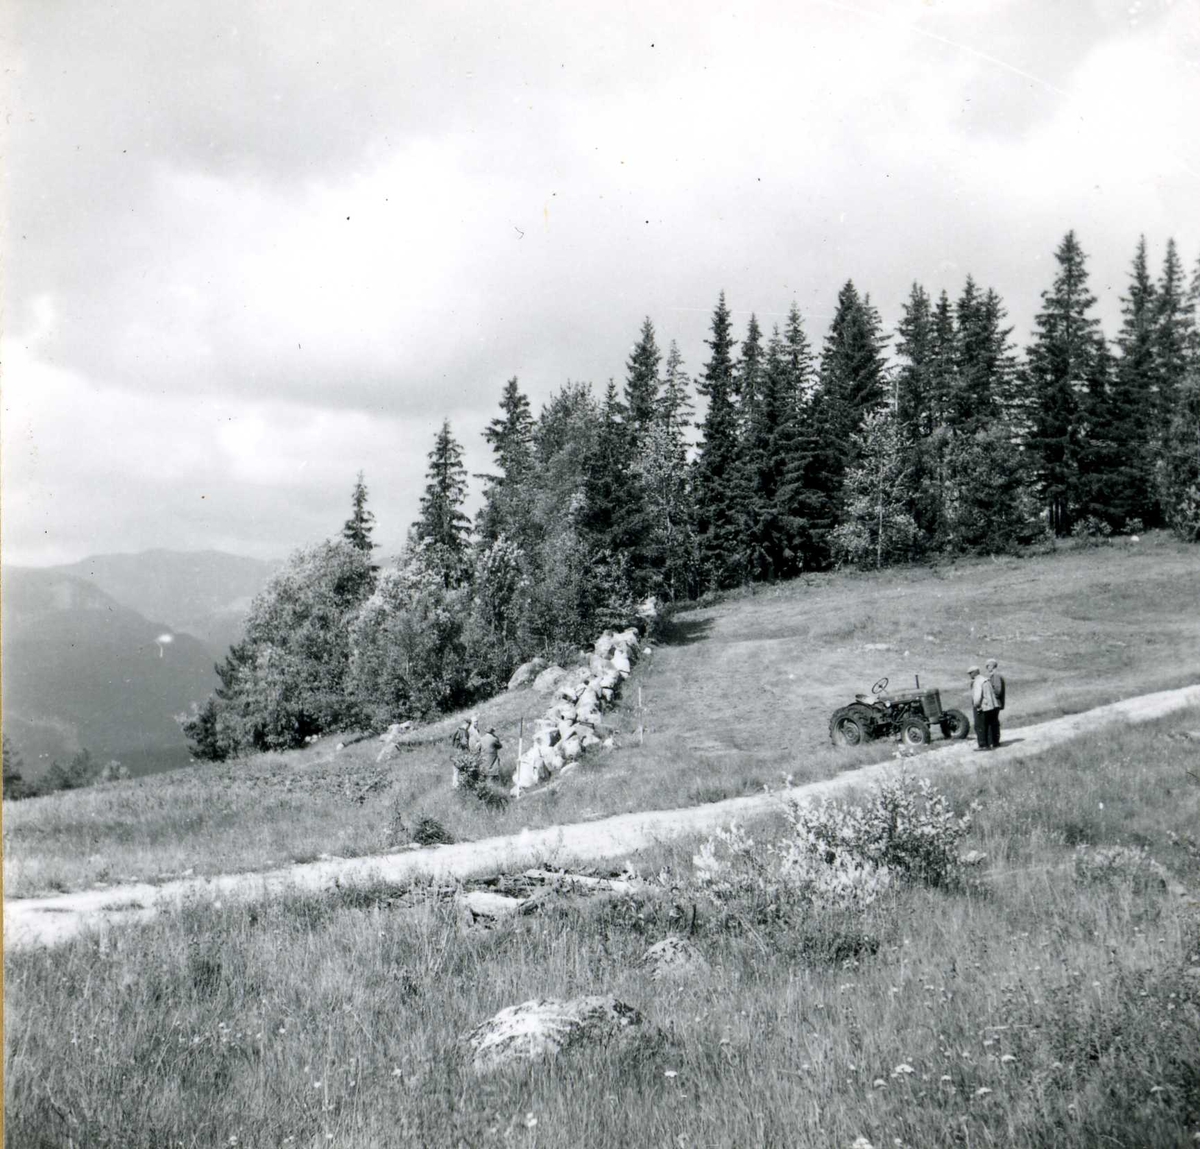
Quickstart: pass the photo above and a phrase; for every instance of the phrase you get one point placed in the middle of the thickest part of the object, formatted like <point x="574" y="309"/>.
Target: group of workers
<point x="485" y="746"/>
<point x="987" y="697"/>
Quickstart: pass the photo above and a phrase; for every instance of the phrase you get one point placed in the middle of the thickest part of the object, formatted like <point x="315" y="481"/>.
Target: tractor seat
<point x="861" y="698"/>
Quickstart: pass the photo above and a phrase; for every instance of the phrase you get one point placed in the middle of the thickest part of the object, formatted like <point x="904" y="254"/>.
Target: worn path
<point x="47" y="921"/>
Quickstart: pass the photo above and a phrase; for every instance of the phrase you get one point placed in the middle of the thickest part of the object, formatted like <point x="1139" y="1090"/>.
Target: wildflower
<point x="878" y="1083"/>
<point x="397" y="1072"/>
<point x="945" y="1077"/>
<point x="982" y="1091"/>
<point x="530" y="1121"/>
<point x="1156" y="1089"/>
<point x="670" y="1073"/>
<point x="903" y="1067"/>
<point x="1007" y="1059"/>
<point x="861" y="1143"/>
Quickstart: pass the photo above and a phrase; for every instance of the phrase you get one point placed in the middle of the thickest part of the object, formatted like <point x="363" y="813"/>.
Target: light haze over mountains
<point x="85" y="664"/>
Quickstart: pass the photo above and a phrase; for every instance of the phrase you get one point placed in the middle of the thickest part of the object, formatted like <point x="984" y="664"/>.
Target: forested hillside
<point x="947" y="441"/>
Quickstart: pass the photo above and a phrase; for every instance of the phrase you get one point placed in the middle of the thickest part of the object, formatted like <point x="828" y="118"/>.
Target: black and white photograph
<point x="600" y="575"/>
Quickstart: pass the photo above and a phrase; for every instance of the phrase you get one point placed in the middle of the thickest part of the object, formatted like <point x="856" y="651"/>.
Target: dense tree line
<point x="947" y="441"/>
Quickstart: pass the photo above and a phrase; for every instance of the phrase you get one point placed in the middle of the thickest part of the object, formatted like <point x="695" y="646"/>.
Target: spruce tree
<point x="759" y="417"/>
<point x="719" y="472"/>
<point x="1174" y="329"/>
<point x="1122" y="438"/>
<point x="748" y="372"/>
<point x="612" y="518"/>
<point x="1059" y="364"/>
<point x="1193" y="308"/>
<point x="641" y="381"/>
<point x="970" y="401"/>
<point x="1114" y="479"/>
<point x="984" y="360"/>
<point x="1179" y="474"/>
<point x="358" y="527"/>
<point x="675" y="404"/>
<point x="442" y="526"/>
<point x="766" y="426"/>
<point x="920" y="401"/>
<point x="943" y="366"/>
<point x="851" y="386"/>
<point x="794" y="443"/>
<point x="852" y="367"/>
<point x="505" y="507"/>
<point x="662" y="464"/>
<point x="914" y="382"/>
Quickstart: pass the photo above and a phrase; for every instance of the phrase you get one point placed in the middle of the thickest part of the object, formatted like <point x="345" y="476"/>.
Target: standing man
<point x="976" y="717"/>
<point x="987" y="717"/>
<point x="489" y="753"/>
<point x="992" y="669"/>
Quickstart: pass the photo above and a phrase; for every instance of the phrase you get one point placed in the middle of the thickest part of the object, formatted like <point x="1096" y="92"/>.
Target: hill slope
<point x="81" y="670"/>
<point x="736" y="696"/>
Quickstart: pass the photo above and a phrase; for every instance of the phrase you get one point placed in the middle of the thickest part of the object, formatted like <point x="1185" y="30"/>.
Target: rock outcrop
<point x="672" y="958"/>
<point x="526" y="673"/>
<point x="545" y="1027"/>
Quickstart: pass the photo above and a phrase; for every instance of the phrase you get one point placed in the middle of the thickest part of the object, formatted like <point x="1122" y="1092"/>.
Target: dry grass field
<point x="1045" y="1000"/>
<point x="735" y="697"/>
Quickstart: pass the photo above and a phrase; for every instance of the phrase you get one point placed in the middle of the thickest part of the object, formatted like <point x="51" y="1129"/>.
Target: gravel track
<point x="48" y="921"/>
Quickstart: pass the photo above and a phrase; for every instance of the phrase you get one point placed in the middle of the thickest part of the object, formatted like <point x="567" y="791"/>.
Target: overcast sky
<point x="253" y="248"/>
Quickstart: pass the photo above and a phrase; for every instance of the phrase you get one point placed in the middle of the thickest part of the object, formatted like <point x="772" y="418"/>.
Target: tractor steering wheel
<point x="880" y="686"/>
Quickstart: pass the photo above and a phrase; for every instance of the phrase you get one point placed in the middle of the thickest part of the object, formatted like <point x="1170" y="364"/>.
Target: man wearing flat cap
<point x="987" y="716"/>
<point x="992" y="669"/>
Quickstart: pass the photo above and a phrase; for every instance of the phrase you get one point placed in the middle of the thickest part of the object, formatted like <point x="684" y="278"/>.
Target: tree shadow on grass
<point x="684" y="631"/>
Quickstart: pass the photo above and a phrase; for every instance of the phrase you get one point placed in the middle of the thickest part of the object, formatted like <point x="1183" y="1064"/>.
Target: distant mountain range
<point x="204" y="593"/>
<point x="83" y="664"/>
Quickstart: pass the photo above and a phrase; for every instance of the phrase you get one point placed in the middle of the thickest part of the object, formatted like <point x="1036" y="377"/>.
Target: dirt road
<point x="48" y="921"/>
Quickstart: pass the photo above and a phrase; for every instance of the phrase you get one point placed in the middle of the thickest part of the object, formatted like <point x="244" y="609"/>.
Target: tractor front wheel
<point x="914" y="731"/>
<point x="847" y="730"/>
<point x="955" y="724"/>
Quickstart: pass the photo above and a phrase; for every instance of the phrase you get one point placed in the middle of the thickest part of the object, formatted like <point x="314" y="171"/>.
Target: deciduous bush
<point x="836" y="855"/>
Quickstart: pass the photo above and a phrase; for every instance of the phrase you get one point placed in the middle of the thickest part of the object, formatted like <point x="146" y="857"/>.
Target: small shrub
<point x="1118" y="865"/>
<point x="835" y="856"/>
<point x="430" y="832"/>
<point x="1091" y="531"/>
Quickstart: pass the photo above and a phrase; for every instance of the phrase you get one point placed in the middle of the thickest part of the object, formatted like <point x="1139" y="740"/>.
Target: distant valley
<point x="82" y="662"/>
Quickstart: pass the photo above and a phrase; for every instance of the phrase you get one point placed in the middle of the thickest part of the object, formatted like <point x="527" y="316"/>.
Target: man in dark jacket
<point x="992" y="669"/>
<point x="489" y="753"/>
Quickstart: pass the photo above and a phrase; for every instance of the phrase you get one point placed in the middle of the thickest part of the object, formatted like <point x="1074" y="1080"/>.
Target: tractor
<point x="909" y="714"/>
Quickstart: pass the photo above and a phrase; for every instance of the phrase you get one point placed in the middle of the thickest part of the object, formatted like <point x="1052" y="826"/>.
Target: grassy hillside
<point x="1051" y="999"/>
<point x="737" y="697"/>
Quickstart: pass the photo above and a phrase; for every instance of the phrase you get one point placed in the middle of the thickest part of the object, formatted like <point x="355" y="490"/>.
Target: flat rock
<point x="544" y="1027"/>
<point x="550" y="679"/>
<point x="674" y="957"/>
<point x="526" y="673"/>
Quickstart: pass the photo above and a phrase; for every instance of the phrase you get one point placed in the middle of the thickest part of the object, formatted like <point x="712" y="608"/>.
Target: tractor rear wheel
<point x="914" y="731"/>
<point x="847" y="728"/>
<point x="955" y="724"/>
